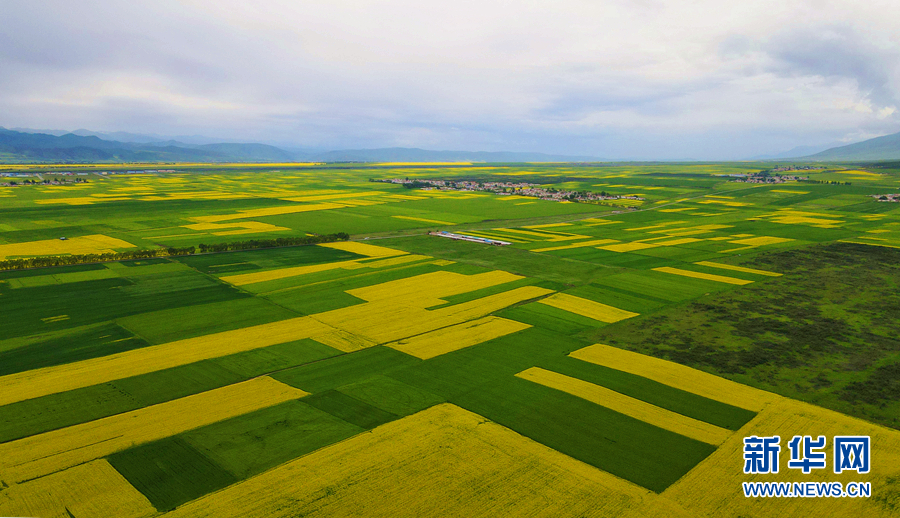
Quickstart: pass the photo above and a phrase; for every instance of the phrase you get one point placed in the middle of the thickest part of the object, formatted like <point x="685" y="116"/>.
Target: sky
<point x="623" y="79"/>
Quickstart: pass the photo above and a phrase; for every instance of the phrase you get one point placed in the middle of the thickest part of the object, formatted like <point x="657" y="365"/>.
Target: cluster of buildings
<point x="473" y="239"/>
<point x="895" y="197"/>
<point x="783" y="168"/>
<point x="765" y="177"/>
<point x="510" y="188"/>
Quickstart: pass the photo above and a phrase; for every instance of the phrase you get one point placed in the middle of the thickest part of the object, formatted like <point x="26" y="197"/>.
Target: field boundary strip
<point x="737" y="268"/>
<point x="514" y="474"/>
<point x="704" y="276"/>
<point x="49" y="452"/>
<point x="678" y="376"/>
<point x="587" y="308"/>
<point x="641" y="410"/>
<point x="456" y="337"/>
<point x="61" y="378"/>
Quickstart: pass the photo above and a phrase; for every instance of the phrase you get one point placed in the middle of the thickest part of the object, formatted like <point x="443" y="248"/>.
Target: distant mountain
<point x="89" y="146"/>
<point x="795" y="152"/>
<point x="879" y="148"/>
<point x="400" y="154"/>
<point x="70" y="147"/>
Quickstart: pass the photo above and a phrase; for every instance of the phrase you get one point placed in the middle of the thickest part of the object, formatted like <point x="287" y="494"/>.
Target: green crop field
<point x="185" y="348"/>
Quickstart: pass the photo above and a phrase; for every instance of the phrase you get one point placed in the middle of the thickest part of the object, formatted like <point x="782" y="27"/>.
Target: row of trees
<point x="274" y="243"/>
<point x="67" y="260"/>
<point x="831" y="182"/>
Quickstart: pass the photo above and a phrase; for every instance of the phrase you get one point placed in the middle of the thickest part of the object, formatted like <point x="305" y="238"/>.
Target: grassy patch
<point x="345" y="369"/>
<point x="254" y="442"/>
<point x="548" y="317"/>
<point x="170" y="472"/>
<point x="825" y="332"/>
<point x="391" y="395"/>
<point x="349" y="409"/>
<point x="168" y="325"/>
<point x="634" y="450"/>
<point x="664" y="396"/>
<point x="54" y="411"/>
<point x="275" y="357"/>
<point x="97" y="341"/>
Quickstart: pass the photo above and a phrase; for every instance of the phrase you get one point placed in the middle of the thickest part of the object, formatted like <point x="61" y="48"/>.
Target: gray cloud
<point x="654" y="79"/>
<point x="838" y="51"/>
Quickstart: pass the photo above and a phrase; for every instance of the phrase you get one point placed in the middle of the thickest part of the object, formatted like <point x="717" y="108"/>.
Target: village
<point x="510" y="188"/>
<point x="891" y="197"/>
<point x="766" y="177"/>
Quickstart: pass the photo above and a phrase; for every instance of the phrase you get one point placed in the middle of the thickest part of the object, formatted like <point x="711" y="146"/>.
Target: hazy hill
<point x="90" y="148"/>
<point x="880" y="148"/>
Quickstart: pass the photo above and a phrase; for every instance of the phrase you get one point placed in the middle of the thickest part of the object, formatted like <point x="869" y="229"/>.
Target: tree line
<point x="68" y="260"/>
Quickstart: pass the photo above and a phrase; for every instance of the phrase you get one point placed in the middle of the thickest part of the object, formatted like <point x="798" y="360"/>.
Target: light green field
<point x="696" y="265"/>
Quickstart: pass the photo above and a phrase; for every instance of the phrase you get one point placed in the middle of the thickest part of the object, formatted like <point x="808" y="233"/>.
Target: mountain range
<point x="88" y="146"/>
<point x="27" y="145"/>
<point x="879" y="148"/>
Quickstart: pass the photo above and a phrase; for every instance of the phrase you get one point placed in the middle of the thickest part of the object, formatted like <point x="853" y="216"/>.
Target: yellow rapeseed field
<point x="804" y="220"/>
<point x="364" y="249"/>
<point x="547" y="235"/>
<point x="629" y="406"/>
<point x="268" y="211"/>
<point x="587" y="308"/>
<point x="593" y="242"/>
<point x="92" y="489"/>
<point x="699" y="275"/>
<point x="283" y="273"/>
<point x="405" y="197"/>
<point x="93" y="244"/>
<point x="443" y="461"/>
<point x="660" y="225"/>
<point x="424" y="220"/>
<point x="82" y="200"/>
<point x="427" y="289"/>
<point x="548" y="225"/>
<point x="402" y="164"/>
<point x="678" y="376"/>
<point x="684" y="231"/>
<point x="676" y="242"/>
<point x="726" y="203"/>
<point x="713" y="488"/>
<point x="50" y="380"/>
<point x="243" y="227"/>
<point x="761" y="241"/>
<point x="344" y="341"/>
<point x="737" y="268"/>
<point x="49" y="452"/>
<point x="391" y="319"/>
<point x="628" y="247"/>
<point x="496" y="237"/>
<point x="593" y="222"/>
<point x="322" y="197"/>
<point x="394" y="261"/>
<point x="460" y="336"/>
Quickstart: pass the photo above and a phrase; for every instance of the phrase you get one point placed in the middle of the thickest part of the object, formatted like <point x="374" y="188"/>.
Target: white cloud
<point x="611" y="78"/>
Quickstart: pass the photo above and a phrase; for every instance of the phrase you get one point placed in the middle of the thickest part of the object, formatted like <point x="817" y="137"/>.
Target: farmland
<point x="609" y="360"/>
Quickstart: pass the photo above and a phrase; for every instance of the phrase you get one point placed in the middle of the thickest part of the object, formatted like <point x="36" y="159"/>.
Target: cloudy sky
<point x="643" y="79"/>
